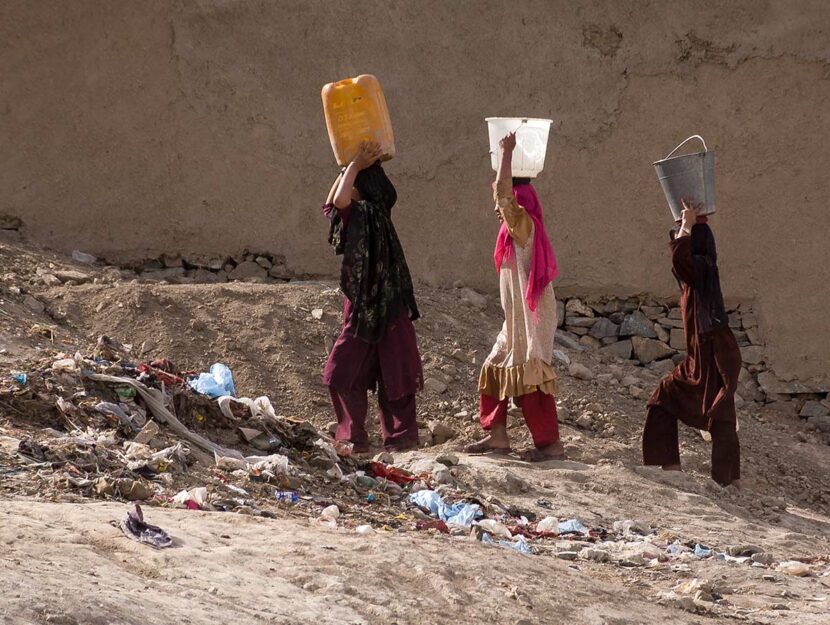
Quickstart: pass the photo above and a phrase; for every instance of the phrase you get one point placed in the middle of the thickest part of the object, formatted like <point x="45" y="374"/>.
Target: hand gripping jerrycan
<point x="688" y="177"/>
<point x="355" y="110"/>
<point x="531" y="143"/>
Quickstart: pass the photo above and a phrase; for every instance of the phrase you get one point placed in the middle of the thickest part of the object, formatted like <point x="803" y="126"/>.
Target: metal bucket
<point x="688" y="177"/>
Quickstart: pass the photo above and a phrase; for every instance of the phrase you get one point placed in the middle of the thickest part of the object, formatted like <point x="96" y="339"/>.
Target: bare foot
<point x="497" y="441"/>
<point x="556" y="451"/>
<point x="672" y="467"/>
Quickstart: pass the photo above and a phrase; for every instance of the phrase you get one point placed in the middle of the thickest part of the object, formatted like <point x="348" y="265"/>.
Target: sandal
<point x="538" y="455"/>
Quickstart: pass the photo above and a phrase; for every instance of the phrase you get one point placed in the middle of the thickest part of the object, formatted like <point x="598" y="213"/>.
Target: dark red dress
<point x="700" y="391"/>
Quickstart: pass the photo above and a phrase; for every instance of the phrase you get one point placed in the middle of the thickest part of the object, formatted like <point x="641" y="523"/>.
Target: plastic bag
<point x="573" y="526"/>
<point x="217" y="383"/>
<point x="548" y="525"/>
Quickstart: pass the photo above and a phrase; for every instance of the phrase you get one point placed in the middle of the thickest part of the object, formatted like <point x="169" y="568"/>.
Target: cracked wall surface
<point x="132" y="129"/>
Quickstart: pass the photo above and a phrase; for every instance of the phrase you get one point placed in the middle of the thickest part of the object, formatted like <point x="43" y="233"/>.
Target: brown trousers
<point x="661" y="446"/>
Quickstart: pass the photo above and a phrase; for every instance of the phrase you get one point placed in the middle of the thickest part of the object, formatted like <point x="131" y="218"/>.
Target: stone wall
<point x="136" y="129"/>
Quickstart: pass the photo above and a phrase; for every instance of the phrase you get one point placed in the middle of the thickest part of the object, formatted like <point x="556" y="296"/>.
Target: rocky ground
<point x="68" y="467"/>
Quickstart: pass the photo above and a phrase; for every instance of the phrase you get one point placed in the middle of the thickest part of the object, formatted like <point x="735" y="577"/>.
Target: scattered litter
<point x="461" y="514"/>
<point x="573" y="526"/>
<point x="20" y="378"/>
<point x="548" y="525"/>
<point x="136" y="529"/>
<point x="317" y="313"/>
<point x="215" y="384"/>
<point x="364" y="530"/>
<point x="287" y="496"/>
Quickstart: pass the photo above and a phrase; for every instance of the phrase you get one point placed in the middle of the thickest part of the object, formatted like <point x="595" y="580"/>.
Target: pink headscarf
<point x="543" y="267"/>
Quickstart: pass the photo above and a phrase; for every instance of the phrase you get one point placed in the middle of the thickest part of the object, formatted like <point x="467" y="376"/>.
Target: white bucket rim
<point x="522" y="119"/>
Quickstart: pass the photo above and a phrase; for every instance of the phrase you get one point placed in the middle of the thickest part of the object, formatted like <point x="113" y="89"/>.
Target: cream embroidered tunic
<point x="520" y="361"/>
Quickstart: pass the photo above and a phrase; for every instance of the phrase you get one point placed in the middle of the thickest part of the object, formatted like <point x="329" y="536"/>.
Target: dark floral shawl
<point x="374" y="275"/>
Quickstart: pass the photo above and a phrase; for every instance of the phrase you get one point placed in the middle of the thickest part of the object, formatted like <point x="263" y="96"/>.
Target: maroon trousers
<point x="393" y="367"/>
<point x="538" y="409"/>
<point x="661" y="447"/>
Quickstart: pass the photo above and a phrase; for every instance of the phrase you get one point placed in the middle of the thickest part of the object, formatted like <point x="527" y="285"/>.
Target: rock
<point x="813" y="408"/>
<point x="590" y="341"/>
<point x="580" y="371"/>
<point x="637" y="393"/>
<point x="794" y="568"/>
<point x="34" y="304"/>
<point x="661" y="367"/>
<point x="472" y="298"/>
<point x="567" y="555"/>
<point x="822" y="424"/>
<point x="575" y="307"/>
<point x="609" y="340"/>
<point x="743" y="550"/>
<point x="677" y="339"/>
<point x="434" y="385"/>
<point x="442" y="475"/>
<point x="579" y="331"/>
<point x="662" y="333"/>
<point x="772" y="385"/>
<point x="515" y="485"/>
<point x="568" y="340"/>
<point x="604" y="328"/>
<point x="653" y="312"/>
<point x="67" y="275"/>
<point x="560" y="313"/>
<point x="280" y="272"/>
<point x="637" y="324"/>
<point x="749" y="320"/>
<point x="203" y="276"/>
<point x="754" y="336"/>
<point x="671" y="323"/>
<point x="585" y="422"/>
<point x="648" y="350"/>
<point x="629" y="380"/>
<point x="247" y="269"/>
<point x="263" y="262"/>
<point x="620" y="349"/>
<point x="448" y="460"/>
<point x="171" y="260"/>
<point x="50" y="279"/>
<point x="580" y="322"/>
<point x="763" y="558"/>
<point x="441" y="433"/>
<point x="752" y="354"/>
<point x="735" y="320"/>
<point x="595" y="555"/>
<point x="675" y="313"/>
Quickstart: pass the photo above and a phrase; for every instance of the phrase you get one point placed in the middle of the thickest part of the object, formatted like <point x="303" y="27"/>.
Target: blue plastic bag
<point x="217" y="383"/>
<point x="458" y="513"/>
<point x="519" y="544"/>
<point x="574" y="526"/>
<point x="702" y="552"/>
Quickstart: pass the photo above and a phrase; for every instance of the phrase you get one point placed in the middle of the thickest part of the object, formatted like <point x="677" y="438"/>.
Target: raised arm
<point x="504" y="176"/>
<point x="366" y="155"/>
<point x="681" y="257"/>
<point x="514" y="216"/>
<point x="333" y="190"/>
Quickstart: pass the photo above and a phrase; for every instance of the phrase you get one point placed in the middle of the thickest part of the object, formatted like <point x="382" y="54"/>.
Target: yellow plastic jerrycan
<point x="356" y="111"/>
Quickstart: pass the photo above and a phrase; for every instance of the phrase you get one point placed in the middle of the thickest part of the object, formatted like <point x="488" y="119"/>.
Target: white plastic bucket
<point x="688" y="177"/>
<point x="531" y="143"/>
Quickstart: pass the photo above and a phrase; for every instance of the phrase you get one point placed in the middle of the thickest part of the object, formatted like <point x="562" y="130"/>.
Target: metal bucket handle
<point x="705" y="149"/>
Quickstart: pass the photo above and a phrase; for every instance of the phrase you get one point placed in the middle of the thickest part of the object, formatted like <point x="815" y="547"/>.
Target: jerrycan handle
<point x="705" y="149"/>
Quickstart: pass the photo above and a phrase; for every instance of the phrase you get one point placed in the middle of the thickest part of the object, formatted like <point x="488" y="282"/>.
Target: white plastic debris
<point x="364" y="530"/>
<point x="493" y="527"/>
<point x="549" y="524"/>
